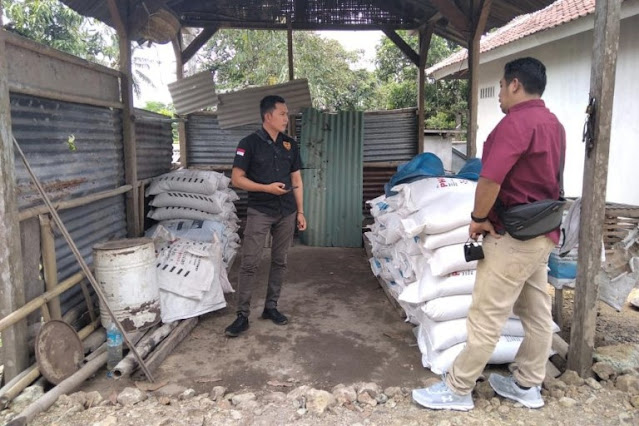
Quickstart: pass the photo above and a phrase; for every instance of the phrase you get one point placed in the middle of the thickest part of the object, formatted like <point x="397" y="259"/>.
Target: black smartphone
<point x="289" y="188"/>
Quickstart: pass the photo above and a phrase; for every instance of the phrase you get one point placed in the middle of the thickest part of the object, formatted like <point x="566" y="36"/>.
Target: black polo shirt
<point x="266" y="161"/>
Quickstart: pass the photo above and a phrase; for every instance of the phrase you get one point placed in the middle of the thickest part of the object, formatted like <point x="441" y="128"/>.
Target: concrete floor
<point x="342" y="329"/>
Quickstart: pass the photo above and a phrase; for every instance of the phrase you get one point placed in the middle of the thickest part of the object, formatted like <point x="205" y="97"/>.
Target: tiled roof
<point x="558" y="13"/>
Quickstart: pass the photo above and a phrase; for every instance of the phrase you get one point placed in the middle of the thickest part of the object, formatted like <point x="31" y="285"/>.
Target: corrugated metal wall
<point x="390" y="135"/>
<point x="74" y="149"/>
<point x="154" y="143"/>
<point x="374" y="180"/>
<point x="210" y="145"/>
<point x="332" y="149"/>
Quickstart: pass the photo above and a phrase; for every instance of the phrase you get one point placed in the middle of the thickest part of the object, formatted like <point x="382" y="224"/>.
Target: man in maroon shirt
<point x="520" y="164"/>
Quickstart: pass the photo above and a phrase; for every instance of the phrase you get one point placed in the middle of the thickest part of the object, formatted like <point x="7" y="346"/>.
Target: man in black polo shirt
<point x="267" y="165"/>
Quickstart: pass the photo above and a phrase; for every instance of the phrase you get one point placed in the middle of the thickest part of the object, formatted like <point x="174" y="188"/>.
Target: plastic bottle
<point x="114" y="347"/>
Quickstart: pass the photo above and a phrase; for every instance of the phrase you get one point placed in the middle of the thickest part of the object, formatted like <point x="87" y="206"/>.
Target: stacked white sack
<point x="417" y="243"/>
<point x="195" y="204"/>
<point x="191" y="275"/>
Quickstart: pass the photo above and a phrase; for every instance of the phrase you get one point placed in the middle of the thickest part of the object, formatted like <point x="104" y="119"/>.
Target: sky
<point x="161" y="61"/>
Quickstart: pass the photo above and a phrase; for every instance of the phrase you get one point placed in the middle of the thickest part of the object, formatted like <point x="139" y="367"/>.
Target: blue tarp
<point x="426" y="165"/>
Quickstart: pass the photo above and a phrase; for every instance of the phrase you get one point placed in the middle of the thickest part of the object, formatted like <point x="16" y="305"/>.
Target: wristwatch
<point x="478" y="219"/>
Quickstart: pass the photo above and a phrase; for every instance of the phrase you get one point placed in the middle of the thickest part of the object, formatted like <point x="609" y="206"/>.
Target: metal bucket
<point x="126" y="271"/>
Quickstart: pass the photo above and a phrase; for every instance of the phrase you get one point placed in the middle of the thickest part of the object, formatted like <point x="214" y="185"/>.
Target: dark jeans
<point x="258" y="225"/>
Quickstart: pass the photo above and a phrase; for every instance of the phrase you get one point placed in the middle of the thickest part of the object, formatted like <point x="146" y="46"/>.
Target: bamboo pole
<point x="81" y="261"/>
<point x="145" y="346"/>
<point x="49" y="264"/>
<point x="66" y="386"/>
<point x="77" y="202"/>
<point x="36" y="303"/>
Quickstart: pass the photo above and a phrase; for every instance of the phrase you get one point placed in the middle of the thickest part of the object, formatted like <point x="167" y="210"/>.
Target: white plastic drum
<point x="126" y="271"/>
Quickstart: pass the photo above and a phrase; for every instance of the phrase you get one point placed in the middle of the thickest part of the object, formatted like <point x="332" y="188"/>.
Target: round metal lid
<point x="59" y="352"/>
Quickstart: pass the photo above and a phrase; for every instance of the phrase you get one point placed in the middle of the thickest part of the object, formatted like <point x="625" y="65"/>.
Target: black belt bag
<point x="527" y="221"/>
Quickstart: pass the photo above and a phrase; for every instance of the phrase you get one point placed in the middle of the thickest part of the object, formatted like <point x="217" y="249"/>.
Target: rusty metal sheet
<point x="243" y="106"/>
<point x="193" y="93"/>
<point x="58" y="351"/>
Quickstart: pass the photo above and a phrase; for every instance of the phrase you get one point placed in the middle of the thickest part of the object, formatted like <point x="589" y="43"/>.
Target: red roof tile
<point x="558" y="13"/>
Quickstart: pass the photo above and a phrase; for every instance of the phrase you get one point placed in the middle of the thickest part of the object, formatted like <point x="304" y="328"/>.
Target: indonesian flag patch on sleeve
<point x="240" y="152"/>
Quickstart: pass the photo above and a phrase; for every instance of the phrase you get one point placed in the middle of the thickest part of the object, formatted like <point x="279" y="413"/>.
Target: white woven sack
<point x="428" y="192"/>
<point x="170" y="213"/>
<point x="442" y="335"/>
<point x="194" y="181"/>
<point x="430" y="287"/>
<point x="186" y="268"/>
<point x="392" y="230"/>
<point x="205" y="203"/>
<point x="451" y="213"/>
<point x="448" y="308"/>
<point x="196" y="230"/>
<point x="454" y="236"/>
<point x="448" y="259"/>
<point x="440" y="362"/>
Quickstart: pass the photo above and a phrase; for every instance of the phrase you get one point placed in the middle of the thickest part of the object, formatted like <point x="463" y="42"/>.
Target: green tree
<point x="244" y="58"/>
<point x="445" y="101"/>
<point x="51" y="23"/>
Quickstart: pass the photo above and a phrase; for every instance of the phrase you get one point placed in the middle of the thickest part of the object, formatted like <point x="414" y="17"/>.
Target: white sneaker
<point x="440" y="397"/>
<point x="508" y="388"/>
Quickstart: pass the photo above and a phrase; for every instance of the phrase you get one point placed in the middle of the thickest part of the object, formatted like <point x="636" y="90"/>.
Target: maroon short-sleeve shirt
<point x="523" y="154"/>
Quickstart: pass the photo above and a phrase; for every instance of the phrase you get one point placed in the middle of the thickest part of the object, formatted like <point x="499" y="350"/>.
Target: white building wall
<point x="568" y="69"/>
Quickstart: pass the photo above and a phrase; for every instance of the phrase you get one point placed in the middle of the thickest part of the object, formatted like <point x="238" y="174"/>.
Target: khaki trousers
<point x="512" y="277"/>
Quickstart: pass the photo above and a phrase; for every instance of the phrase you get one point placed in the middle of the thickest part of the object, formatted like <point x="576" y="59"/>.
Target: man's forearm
<point x="242" y="182"/>
<point x="485" y="196"/>
<point x="299" y="197"/>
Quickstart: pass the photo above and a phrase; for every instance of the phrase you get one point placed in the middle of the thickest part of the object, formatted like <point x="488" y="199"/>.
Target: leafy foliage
<point x="445" y="101"/>
<point x="244" y="58"/>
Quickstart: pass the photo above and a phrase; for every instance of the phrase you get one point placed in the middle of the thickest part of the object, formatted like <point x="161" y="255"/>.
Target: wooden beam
<point x="12" y="292"/>
<point x="453" y="14"/>
<point x="289" y="43"/>
<point x="179" y="74"/>
<point x="425" y="36"/>
<point x="602" y="88"/>
<point x="402" y="45"/>
<point x="128" y="121"/>
<point x="199" y="41"/>
<point x="478" y="27"/>
<point x="49" y="264"/>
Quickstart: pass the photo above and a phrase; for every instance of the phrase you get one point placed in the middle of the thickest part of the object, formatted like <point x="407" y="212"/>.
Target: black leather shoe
<point x="274" y="315"/>
<point x="240" y="324"/>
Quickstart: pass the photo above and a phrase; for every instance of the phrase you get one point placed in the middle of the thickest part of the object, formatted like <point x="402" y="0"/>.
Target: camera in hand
<point x="473" y="251"/>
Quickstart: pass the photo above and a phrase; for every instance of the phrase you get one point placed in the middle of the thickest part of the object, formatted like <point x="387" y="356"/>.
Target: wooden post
<point x="425" y="35"/>
<point x="120" y="18"/>
<point x="291" y="69"/>
<point x="179" y="75"/>
<point x="14" y="339"/>
<point x="478" y="23"/>
<point x="49" y="264"/>
<point x="602" y="87"/>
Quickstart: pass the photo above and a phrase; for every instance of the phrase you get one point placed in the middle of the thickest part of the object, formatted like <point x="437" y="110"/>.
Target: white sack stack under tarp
<point x="196" y="205"/>
<point x="417" y="242"/>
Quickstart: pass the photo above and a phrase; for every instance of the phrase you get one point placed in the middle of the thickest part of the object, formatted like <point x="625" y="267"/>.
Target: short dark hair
<point x="267" y="104"/>
<point x="530" y="72"/>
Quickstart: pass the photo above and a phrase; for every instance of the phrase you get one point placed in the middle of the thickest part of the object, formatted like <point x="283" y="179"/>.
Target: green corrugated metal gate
<point x="332" y="157"/>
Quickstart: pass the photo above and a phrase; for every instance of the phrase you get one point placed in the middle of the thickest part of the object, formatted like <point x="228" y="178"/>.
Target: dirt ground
<point x="342" y="330"/>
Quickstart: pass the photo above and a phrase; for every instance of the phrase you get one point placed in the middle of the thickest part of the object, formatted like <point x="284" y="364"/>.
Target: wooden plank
<point x="602" y="87"/>
<point x="558" y="308"/>
<point x="402" y="45"/>
<point x="14" y="339"/>
<point x="453" y="14"/>
<point x="128" y="123"/>
<point x="425" y="35"/>
<point x="478" y="27"/>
